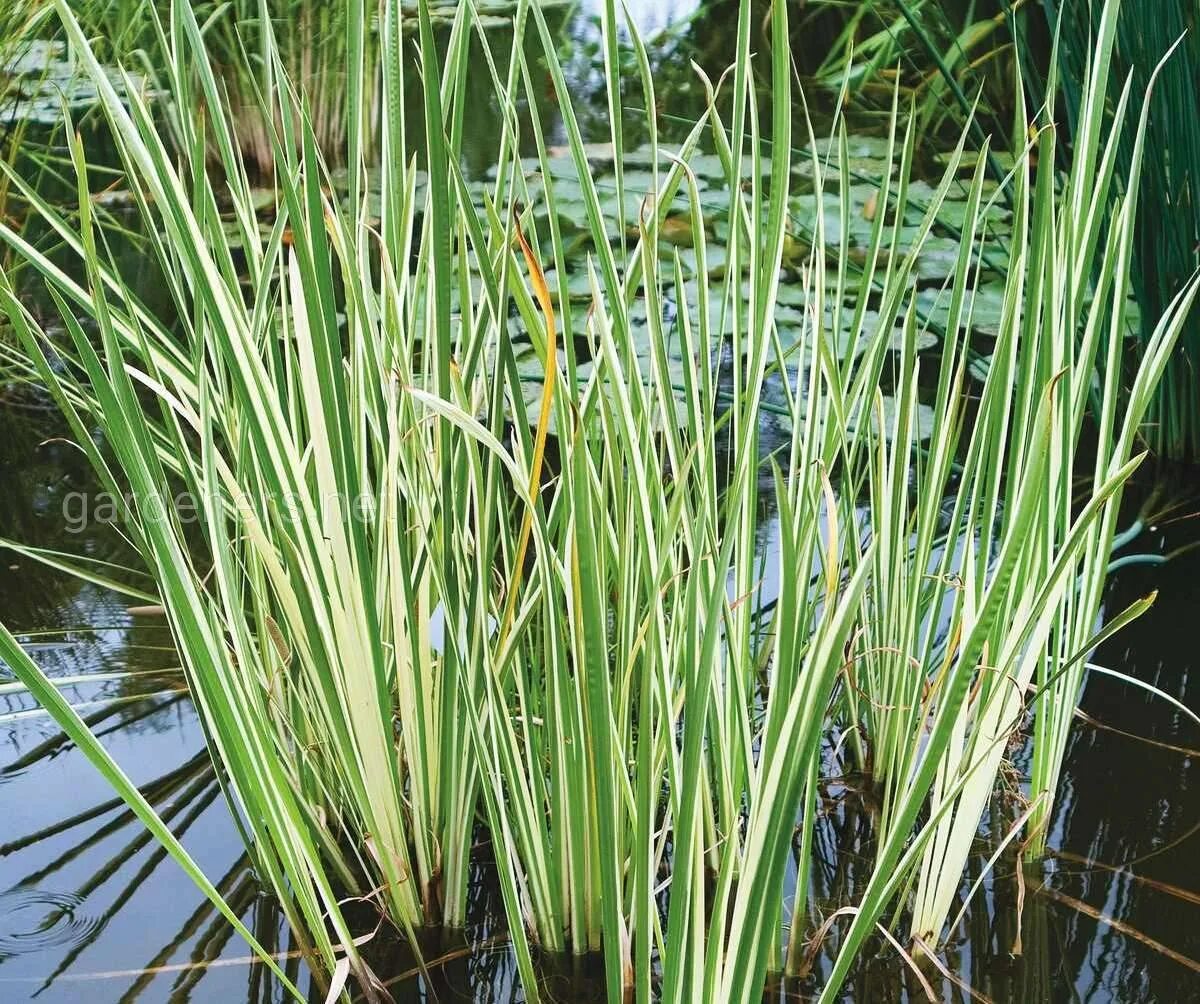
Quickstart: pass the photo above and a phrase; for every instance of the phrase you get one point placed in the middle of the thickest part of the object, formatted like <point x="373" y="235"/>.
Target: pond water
<point x="91" y="909"/>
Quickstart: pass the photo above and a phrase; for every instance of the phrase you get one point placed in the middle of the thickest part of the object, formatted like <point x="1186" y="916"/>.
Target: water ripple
<point x="33" y="920"/>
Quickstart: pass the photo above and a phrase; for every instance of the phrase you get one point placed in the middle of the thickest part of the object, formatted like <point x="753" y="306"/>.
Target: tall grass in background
<point x="953" y="59"/>
<point x="249" y="43"/>
<point x="400" y="610"/>
<point x="1168" y="231"/>
<point x="17" y="23"/>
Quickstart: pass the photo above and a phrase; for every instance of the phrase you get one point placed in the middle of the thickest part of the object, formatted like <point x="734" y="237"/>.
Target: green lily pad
<point x="980" y="367"/>
<point x="40" y="79"/>
<point x="579" y="284"/>
<point x="982" y="310"/>
<point x="938" y="258"/>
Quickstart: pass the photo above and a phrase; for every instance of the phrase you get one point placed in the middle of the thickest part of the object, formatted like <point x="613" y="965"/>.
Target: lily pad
<point x="982" y="310"/>
<point x="40" y="79"/>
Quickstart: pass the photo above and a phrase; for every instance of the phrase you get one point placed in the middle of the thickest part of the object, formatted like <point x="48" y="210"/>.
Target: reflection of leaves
<point x="107" y="861"/>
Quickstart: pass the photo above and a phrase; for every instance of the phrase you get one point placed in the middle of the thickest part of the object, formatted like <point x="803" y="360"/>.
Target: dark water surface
<point x="91" y="910"/>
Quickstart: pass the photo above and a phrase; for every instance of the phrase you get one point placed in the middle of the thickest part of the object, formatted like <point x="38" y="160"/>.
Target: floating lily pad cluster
<point x="555" y="184"/>
<point x="621" y="212"/>
<point x="40" y="78"/>
<point x="867" y="163"/>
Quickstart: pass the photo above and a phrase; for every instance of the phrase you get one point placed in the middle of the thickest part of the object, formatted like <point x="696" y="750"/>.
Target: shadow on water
<point x="91" y="909"/>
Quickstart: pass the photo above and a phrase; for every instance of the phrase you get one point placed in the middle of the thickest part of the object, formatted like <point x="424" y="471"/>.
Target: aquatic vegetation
<point x="954" y="60"/>
<point x="946" y="54"/>
<point x="473" y="470"/>
<point x="41" y="80"/>
<point x="252" y="46"/>
<point x="14" y="27"/>
<point x="1168" y="232"/>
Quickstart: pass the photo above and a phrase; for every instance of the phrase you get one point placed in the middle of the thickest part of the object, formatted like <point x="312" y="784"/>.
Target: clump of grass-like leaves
<point x="1167" y="243"/>
<point x="400" y="609"/>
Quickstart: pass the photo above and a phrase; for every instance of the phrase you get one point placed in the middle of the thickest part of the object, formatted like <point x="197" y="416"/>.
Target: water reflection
<point x="1129" y="824"/>
<point x="88" y="898"/>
